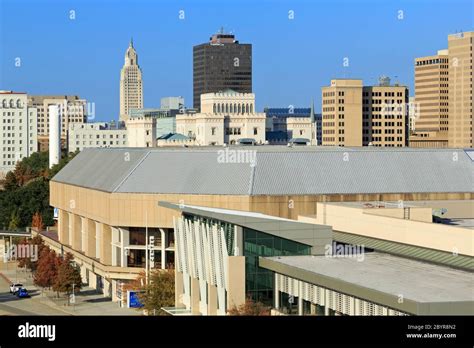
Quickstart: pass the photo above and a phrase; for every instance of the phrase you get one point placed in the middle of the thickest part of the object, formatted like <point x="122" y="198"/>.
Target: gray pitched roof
<point x="276" y="170"/>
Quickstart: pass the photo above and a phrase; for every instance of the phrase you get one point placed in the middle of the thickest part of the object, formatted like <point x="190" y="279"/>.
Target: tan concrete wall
<point x="90" y="232"/>
<point x="423" y="234"/>
<point x="63" y="226"/>
<point x="416" y="214"/>
<point x="125" y="209"/>
<point x="236" y="281"/>
<point x="106" y="246"/>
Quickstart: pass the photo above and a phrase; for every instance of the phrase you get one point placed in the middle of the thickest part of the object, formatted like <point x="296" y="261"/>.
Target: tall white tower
<point x="54" y="134"/>
<point x="131" y="91"/>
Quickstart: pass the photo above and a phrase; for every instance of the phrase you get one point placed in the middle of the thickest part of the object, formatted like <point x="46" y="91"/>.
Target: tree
<point x="69" y="274"/>
<point x="250" y="308"/>
<point x="37" y="222"/>
<point x="158" y="293"/>
<point x="14" y="221"/>
<point x="47" y="268"/>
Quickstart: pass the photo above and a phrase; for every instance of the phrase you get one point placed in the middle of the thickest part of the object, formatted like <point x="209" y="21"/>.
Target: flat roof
<point x="314" y="235"/>
<point x="379" y="273"/>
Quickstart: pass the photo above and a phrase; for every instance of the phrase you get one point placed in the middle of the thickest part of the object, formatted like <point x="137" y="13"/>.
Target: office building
<point x="460" y="47"/>
<point x="220" y="64"/>
<point x="384" y="114"/>
<point x="431" y="101"/>
<point x="226" y="117"/>
<point x="72" y="109"/>
<point x="342" y="113"/>
<point x="131" y="85"/>
<point x="357" y="115"/>
<point x="443" y="92"/>
<point x="97" y="134"/>
<point x="18" y="136"/>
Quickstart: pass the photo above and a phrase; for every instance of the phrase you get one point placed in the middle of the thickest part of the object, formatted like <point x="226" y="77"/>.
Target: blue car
<point x="22" y="293"/>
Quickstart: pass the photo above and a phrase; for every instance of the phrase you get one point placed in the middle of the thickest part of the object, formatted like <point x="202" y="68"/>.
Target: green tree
<point x="14" y="221"/>
<point x="158" y="293"/>
<point x="26" y="190"/>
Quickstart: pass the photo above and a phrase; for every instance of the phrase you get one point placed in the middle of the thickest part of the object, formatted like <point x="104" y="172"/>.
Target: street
<point x="12" y="305"/>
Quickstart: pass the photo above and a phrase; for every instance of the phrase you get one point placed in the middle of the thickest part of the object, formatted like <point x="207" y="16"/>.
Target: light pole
<point x="146" y="247"/>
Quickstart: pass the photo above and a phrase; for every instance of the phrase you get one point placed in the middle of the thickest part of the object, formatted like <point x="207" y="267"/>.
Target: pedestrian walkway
<point x="87" y="301"/>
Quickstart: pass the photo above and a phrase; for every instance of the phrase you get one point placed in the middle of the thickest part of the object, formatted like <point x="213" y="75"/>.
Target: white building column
<point x="164" y="242"/>
<point x="300" y="298"/>
<point x="276" y="294"/>
<point x="326" y="302"/>
<point x="125" y="242"/>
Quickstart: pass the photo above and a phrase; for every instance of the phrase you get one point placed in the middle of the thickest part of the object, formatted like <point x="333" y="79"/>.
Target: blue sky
<point x="292" y="59"/>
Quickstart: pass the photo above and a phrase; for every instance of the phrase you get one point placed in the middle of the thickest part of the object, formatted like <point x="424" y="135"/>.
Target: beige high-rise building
<point x="460" y="48"/>
<point x="131" y="89"/>
<point x="431" y="101"/>
<point x="357" y="115"/>
<point x="342" y="113"/>
<point x="385" y="114"/>
<point x="73" y="110"/>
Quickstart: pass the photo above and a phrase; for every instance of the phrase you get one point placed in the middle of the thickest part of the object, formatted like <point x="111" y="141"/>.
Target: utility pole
<point x="146" y="247"/>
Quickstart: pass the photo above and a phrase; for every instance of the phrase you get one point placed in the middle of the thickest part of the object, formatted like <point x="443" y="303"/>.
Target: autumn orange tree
<point x="250" y="308"/>
<point x="68" y="274"/>
<point x="47" y="268"/>
<point x="37" y="222"/>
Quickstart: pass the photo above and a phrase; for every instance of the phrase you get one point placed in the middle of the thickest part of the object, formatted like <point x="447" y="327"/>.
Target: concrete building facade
<point x="385" y="115"/>
<point x="342" y="113"/>
<point x="431" y="100"/>
<point x="72" y="108"/>
<point x="460" y="47"/>
<point x="18" y="136"/>
<point x="97" y="134"/>
<point x="357" y="115"/>
<point x="141" y="131"/>
<point x="225" y="118"/>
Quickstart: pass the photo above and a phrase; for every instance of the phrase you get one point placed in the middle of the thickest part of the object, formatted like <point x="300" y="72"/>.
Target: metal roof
<point x="271" y="170"/>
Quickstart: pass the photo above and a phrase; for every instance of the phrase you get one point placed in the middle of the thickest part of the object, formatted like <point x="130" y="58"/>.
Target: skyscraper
<point x="221" y="64"/>
<point x="131" y="91"/>
<point x="431" y="101"/>
<point x="460" y="47"/>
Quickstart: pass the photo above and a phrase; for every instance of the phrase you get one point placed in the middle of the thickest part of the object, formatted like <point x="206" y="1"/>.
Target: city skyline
<point x="91" y="68"/>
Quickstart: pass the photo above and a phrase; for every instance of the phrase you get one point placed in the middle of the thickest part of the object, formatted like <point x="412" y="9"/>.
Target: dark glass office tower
<point x="222" y="63"/>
